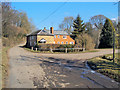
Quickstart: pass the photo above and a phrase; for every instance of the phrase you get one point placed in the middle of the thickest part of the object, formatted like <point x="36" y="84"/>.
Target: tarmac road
<point x="37" y="70"/>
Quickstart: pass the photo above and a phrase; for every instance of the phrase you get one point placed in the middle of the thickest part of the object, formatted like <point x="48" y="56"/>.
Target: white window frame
<point x="62" y="42"/>
<point x="32" y="37"/>
<point x="71" y="43"/>
<point x="58" y="42"/>
<point x="54" y="36"/>
<point x="58" y="36"/>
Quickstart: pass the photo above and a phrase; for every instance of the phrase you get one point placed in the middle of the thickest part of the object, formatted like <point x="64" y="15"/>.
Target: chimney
<point x="51" y="30"/>
<point x="44" y="28"/>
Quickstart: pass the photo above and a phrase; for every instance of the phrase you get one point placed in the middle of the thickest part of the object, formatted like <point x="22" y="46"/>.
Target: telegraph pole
<point x="113" y="46"/>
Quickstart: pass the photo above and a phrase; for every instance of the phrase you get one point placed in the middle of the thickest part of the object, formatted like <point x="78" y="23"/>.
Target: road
<point x="37" y="70"/>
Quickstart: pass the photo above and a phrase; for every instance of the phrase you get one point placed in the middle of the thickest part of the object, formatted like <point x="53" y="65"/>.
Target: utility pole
<point x="113" y="46"/>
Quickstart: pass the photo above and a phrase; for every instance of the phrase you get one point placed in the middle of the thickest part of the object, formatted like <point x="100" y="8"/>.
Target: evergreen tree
<point x="106" y="37"/>
<point x="78" y="26"/>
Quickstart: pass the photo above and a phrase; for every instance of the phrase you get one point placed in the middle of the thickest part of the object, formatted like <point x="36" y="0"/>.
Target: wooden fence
<point x="59" y="49"/>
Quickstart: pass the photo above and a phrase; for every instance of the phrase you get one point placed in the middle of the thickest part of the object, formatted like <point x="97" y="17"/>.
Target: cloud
<point x="114" y="19"/>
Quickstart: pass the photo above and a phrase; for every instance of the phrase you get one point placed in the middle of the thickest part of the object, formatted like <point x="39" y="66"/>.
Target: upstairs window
<point x="58" y="42"/>
<point x="62" y="42"/>
<point x="58" y="36"/>
<point x="54" y="36"/>
<point x="64" y="36"/>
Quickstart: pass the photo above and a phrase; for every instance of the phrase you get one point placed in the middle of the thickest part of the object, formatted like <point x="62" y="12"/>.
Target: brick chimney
<point x="44" y="28"/>
<point x="51" y="30"/>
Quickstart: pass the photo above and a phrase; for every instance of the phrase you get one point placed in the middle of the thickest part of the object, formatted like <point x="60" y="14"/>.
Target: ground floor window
<point x="42" y="40"/>
<point x="66" y="42"/>
<point x="71" y="43"/>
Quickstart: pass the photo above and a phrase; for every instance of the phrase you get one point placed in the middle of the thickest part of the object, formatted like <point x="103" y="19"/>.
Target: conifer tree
<point x="78" y="26"/>
<point x="106" y="37"/>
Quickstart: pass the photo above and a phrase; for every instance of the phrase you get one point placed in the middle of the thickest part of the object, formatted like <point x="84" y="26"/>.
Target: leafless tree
<point x="67" y="24"/>
<point x="98" y="22"/>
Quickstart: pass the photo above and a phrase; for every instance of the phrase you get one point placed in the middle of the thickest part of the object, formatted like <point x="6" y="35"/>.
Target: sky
<point x="47" y="14"/>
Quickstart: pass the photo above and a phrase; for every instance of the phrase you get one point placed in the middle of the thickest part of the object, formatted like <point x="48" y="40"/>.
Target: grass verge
<point x="4" y="64"/>
<point x="104" y="64"/>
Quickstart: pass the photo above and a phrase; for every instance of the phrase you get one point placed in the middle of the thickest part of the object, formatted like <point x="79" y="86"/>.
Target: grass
<point x="4" y="64"/>
<point x="63" y="52"/>
<point x="104" y="64"/>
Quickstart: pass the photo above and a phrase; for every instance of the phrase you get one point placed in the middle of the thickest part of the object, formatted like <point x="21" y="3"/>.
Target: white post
<point x="31" y="48"/>
<point x="36" y="49"/>
<point x="65" y="50"/>
<point x="51" y="50"/>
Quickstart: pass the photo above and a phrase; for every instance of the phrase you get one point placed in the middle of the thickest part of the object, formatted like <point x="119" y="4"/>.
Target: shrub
<point x="84" y="41"/>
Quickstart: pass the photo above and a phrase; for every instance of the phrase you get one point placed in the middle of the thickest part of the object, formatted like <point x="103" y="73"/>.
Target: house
<point x="48" y="37"/>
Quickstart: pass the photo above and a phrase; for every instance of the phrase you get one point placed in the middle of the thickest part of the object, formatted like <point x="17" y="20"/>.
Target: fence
<point x="59" y="49"/>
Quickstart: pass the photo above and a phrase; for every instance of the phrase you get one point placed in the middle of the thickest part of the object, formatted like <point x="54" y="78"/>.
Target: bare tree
<point x="67" y="24"/>
<point x="15" y="24"/>
<point x="98" y="22"/>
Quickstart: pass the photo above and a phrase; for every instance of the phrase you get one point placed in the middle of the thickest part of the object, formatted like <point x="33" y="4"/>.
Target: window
<point x="62" y="42"/>
<point x="54" y="36"/>
<point x="32" y="37"/>
<point x="58" y="42"/>
<point x="58" y="36"/>
<point x="64" y="36"/>
<point x="42" y="40"/>
<point x="66" y="42"/>
<point x="71" y="42"/>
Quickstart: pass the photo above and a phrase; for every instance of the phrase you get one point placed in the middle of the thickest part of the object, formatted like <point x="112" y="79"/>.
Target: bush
<point x="84" y="41"/>
<point x="66" y="46"/>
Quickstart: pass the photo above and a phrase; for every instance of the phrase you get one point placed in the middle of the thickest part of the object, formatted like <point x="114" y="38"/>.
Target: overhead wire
<point x="53" y="12"/>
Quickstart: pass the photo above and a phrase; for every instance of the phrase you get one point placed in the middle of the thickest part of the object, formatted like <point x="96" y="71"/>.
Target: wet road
<point x="35" y="70"/>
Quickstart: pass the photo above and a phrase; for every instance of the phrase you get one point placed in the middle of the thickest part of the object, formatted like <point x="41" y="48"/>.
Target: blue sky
<point x="39" y="11"/>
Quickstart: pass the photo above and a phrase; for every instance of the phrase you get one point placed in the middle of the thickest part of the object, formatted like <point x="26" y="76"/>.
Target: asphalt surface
<point x="37" y="70"/>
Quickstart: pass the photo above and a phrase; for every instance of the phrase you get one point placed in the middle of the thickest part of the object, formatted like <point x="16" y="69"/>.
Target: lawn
<point x="104" y="64"/>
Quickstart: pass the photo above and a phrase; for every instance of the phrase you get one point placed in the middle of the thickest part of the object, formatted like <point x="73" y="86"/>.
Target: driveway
<point x="36" y="70"/>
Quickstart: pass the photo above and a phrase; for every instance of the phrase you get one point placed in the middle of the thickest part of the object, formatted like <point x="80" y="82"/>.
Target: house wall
<point x="61" y="39"/>
<point x="49" y="39"/>
<point x="31" y="41"/>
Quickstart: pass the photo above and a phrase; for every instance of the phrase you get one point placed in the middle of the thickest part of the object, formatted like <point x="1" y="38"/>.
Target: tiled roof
<point x="34" y="33"/>
<point x="47" y="32"/>
<point x="56" y="32"/>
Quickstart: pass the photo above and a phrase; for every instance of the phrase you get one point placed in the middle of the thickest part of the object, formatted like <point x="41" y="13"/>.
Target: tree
<point x="79" y="26"/>
<point x="98" y="23"/>
<point x="67" y="24"/>
<point x="89" y="29"/>
<point x="15" y="25"/>
<point x="106" y="37"/>
<point x="84" y="41"/>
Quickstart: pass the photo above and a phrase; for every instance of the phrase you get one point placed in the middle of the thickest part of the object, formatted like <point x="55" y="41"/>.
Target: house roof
<point x="56" y="32"/>
<point x="39" y="32"/>
<point x="47" y="32"/>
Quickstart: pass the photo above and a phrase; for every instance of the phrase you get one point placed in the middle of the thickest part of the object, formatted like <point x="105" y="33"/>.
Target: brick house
<point x="48" y="37"/>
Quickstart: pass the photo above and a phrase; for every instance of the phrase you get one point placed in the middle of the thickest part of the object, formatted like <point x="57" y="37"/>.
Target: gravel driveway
<point x="36" y="70"/>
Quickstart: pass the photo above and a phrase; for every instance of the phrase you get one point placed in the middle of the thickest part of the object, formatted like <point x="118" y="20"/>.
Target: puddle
<point x="67" y="67"/>
<point x="82" y="76"/>
<point x="92" y="71"/>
